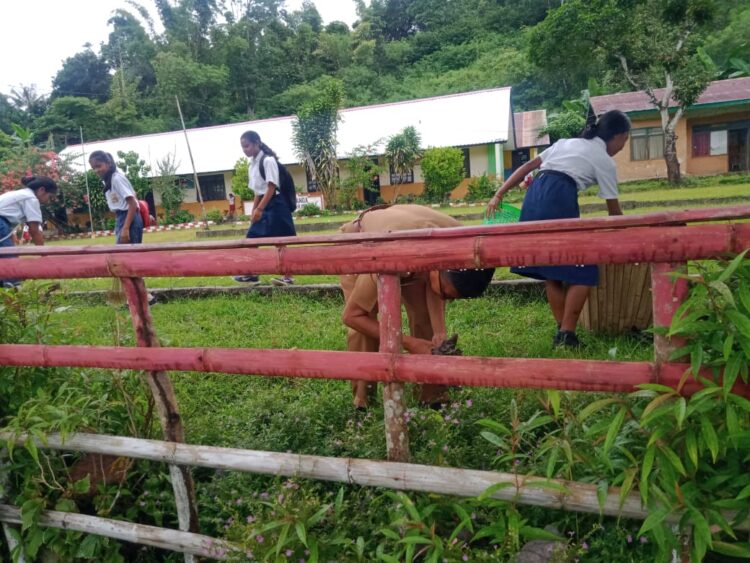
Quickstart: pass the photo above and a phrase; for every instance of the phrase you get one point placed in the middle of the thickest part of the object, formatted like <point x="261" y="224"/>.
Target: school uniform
<point x="568" y="167"/>
<point x="117" y="201"/>
<point x="362" y="289"/>
<point x="17" y="207"/>
<point x="276" y="220"/>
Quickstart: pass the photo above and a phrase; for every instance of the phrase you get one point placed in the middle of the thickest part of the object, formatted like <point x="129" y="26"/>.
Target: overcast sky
<point x="37" y="35"/>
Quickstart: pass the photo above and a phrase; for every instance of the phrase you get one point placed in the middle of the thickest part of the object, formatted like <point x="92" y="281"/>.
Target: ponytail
<point x="40" y="182"/>
<point x="609" y="124"/>
<point x="253" y="137"/>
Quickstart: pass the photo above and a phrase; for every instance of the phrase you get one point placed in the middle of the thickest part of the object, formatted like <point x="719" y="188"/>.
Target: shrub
<point x="481" y="188"/>
<point x="181" y="216"/>
<point x="309" y="210"/>
<point x="443" y="170"/>
<point x="215" y="215"/>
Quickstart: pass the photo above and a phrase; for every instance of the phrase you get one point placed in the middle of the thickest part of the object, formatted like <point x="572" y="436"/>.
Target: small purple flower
<point x="280" y="499"/>
<point x="264" y="495"/>
<point x="447" y="418"/>
<point x="643" y="539"/>
<point x="629" y="539"/>
<point x="250" y="519"/>
<point x="289" y="553"/>
<point x="465" y="557"/>
<point x="445" y="448"/>
<point x="238" y="501"/>
<point x="469" y="403"/>
<point x="585" y="546"/>
<point x="259" y="538"/>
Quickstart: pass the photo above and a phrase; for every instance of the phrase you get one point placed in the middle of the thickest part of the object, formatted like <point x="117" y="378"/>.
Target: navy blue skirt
<point x="554" y="195"/>
<point x="135" y="230"/>
<point x="276" y="221"/>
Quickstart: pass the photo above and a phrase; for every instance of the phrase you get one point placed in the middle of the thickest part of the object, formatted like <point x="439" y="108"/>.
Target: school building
<point x="713" y="137"/>
<point x="493" y="138"/>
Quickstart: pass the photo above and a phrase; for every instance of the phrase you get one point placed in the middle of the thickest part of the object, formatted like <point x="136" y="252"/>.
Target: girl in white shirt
<point x="24" y="206"/>
<point x="121" y="198"/>
<point x="566" y="168"/>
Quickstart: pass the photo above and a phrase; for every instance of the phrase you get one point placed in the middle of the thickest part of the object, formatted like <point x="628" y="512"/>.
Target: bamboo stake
<point x="166" y="404"/>
<point x="553" y="226"/>
<point x="86" y="177"/>
<point x="162" y="538"/>
<point x="9" y="530"/>
<point x="667" y="294"/>
<point x="531" y="373"/>
<point x="524" y="489"/>
<point x="394" y="403"/>
<point x="192" y="163"/>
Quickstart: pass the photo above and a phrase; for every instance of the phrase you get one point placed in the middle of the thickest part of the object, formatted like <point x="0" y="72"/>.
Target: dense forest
<point x="237" y="60"/>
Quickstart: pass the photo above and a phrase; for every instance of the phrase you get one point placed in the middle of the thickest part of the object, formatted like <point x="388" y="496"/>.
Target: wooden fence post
<point x="394" y="401"/>
<point x="667" y="295"/>
<point x="166" y="404"/>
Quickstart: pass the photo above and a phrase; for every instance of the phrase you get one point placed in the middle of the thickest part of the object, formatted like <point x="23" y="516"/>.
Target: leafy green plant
<point x="443" y="170"/>
<point x="168" y="186"/>
<point x="481" y="188"/>
<point x="240" y="179"/>
<point x="309" y="210"/>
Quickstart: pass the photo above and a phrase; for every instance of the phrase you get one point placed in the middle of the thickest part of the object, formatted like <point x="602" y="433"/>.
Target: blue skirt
<point x="135" y="230"/>
<point x="554" y="195"/>
<point x="276" y="221"/>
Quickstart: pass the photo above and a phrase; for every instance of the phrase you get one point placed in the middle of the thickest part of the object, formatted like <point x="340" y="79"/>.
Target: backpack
<point x="145" y="215"/>
<point x="286" y="184"/>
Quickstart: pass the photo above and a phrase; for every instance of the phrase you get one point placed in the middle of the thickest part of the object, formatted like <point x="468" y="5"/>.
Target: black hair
<point x="253" y="137"/>
<point x="470" y="283"/>
<point x="609" y="124"/>
<point x="40" y="182"/>
<point x="107" y="159"/>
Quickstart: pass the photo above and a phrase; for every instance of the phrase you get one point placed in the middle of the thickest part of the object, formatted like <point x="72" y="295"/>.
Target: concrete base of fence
<point x="522" y="287"/>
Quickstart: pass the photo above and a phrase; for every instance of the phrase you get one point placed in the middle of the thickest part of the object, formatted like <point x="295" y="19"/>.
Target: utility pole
<point x="192" y="163"/>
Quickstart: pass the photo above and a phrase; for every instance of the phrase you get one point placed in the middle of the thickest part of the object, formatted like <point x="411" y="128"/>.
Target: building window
<point x="212" y="187"/>
<point x="646" y="143"/>
<point x="312" y="185"/>
<point x="467" y="163"/>
<point x="701" y="143"/>
<point x="405" y="178"/>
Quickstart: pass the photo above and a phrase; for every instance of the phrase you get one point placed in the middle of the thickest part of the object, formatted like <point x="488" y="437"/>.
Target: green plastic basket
<point x="505" y="214"/>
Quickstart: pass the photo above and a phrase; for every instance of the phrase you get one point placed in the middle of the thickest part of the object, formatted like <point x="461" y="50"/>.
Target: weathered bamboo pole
<point x="667" y="294"/>
<point x="664" y="218"/>
<point x="394" y="401"/>
<point x="639" y="244"/>
<point x="166" y="405"/>
<point x="533" y="373"/>
<point x="524" y="489"/>
<point x="162" y="538"/>
<point x="9" y="530"/>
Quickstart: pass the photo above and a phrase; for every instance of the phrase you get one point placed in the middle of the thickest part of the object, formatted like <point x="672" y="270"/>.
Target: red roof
<point x="527" y="125"/>
<point x="733" y="90"/>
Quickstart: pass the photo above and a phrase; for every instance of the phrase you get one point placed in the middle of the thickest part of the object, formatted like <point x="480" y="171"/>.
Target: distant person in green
<point x="566" y="168"/>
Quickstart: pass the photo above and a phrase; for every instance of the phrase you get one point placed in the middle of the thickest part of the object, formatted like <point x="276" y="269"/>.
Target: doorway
<point x="738" y="149"/>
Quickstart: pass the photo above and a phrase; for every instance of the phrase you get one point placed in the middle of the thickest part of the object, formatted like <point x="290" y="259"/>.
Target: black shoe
<point x="566" y="338"/>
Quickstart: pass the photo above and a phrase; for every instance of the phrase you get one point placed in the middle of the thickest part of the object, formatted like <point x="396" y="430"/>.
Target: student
<point x="23" y="206"/>
<point x="423" y="294"/>
<point x="232" y="208"/>
<point x="566" y="168"/>
<point x="121" y="198"/>
<point x="271" y="217"/>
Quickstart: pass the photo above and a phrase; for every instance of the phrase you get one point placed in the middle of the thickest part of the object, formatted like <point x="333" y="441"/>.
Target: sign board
<point x="306" y="199"/>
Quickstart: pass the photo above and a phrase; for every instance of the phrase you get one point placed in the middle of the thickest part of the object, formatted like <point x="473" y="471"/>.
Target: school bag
<point x="286" y="187"/>
<point x="145" y="215"/>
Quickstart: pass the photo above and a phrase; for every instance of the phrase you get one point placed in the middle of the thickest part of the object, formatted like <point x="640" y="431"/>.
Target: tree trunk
<point x="670" y="157"/>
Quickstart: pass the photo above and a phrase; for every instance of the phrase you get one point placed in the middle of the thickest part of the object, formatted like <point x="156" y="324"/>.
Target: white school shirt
<point x="256" y="181"/>
<point x="586" y="161"/>
<point x="119" y="192"/>
<point x="20" y="206"/>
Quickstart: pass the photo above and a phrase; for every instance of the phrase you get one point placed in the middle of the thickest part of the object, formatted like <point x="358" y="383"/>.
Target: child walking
<point x="121" y="199"/>
<point x="24" y="206"/>
<point x="271" y="217"/>
<point x="566" y="168"/>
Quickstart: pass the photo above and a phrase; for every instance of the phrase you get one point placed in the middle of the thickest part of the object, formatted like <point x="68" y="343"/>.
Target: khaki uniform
<point x="362" y="289"/>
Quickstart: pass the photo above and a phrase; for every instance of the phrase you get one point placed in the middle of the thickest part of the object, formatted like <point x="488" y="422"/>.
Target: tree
<point x="168" y="186"/>
<point x="652" y="43"/>
<point x="314" y="138"/>
<point x="361" y="167"/>
<point x="136" y="170"/>
<point x="240" y="180"/>
<point x="443" y="170"/>
<point x="402" y="152"/>
<point x="84" y="74"/>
